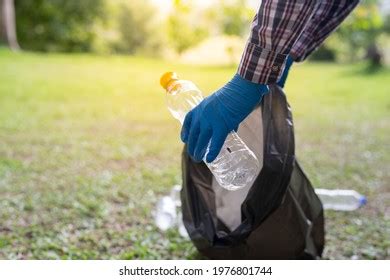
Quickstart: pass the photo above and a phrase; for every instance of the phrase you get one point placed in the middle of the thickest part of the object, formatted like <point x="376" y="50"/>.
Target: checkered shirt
<point x="282" y="27"/>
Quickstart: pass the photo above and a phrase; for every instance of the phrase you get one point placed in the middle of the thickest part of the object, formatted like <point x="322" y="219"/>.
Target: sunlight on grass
<point x="87" y="146"/>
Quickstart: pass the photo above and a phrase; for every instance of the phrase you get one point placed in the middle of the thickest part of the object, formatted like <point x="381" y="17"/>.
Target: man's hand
<point x="282" y="80"/>
<point x="217" y="115"/>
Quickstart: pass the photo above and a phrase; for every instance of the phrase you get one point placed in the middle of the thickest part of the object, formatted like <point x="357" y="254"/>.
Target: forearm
<point x="327" y="16"/>
<point x="275" y="29"/>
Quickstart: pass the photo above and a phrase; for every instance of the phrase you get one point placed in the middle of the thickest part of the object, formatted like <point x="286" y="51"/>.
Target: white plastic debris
<point x="165" y="214"/>
<point x="168" y="212"/>
<point x="341" y="200"/>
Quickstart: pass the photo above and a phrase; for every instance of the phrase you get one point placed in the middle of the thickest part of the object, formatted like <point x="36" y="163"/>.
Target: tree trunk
<point x="374" y="55"/>
<point x="8" y="24"/>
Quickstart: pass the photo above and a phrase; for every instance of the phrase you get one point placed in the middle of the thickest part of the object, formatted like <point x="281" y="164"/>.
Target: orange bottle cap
<point x="167" y="78"/>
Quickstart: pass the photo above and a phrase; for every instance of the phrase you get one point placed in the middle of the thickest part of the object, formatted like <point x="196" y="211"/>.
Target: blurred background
<point x="87" y="145"/>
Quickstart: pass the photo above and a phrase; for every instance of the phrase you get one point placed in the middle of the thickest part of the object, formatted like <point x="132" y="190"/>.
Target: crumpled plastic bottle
<point x="236" y="166"/>
<point x="168" y="212"/>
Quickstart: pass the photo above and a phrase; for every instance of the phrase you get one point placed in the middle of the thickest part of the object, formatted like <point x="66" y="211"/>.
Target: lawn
<point x="87" y="146"/>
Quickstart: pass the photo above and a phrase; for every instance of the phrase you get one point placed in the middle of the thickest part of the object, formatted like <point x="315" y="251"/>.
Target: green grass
<point x="87" y="146"/>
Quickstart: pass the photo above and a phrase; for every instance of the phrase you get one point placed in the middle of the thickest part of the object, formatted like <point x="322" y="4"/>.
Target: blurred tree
<point x="386" y="24"/>
<point x="183" y="33"/>
<point x="361" y="30"/>
<point x="138" y="29"/>
<point x="57" y="25"/>
<point x="230" y="17"/>
<point x="7" y="24"/>
<point x="323" y="53"/>
<point x="234" y="17"/>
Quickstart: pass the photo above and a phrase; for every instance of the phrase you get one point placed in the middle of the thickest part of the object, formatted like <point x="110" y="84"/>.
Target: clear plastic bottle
<point x="341" y="200"/>
<point x="165" y="213"/>
<point x="236" y="166"/>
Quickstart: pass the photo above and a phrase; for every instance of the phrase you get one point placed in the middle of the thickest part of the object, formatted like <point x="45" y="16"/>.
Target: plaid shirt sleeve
<point x="327" y="16"/>
<point x="275" y="29"/>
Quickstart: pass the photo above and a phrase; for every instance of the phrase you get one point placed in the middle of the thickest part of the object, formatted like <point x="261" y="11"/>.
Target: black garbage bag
<point x="278" y="217"/>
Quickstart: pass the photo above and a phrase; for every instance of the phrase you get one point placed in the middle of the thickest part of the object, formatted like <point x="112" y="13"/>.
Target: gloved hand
<point x="283" y="79"/>
<point x="217" y="115"/>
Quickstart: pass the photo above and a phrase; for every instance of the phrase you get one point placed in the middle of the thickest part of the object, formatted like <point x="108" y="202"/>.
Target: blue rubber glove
<point x="219" y="114"/>
<point x="283" y="79"/>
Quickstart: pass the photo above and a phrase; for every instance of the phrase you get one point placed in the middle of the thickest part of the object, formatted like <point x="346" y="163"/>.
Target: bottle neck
<point x="171" y="85"/>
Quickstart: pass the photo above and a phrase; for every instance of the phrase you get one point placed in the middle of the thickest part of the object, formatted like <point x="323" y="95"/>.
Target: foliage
<point x="57" y="25"/>
<point x="323" y="53"/>
<point x="234" y="17"/>
<point x="361" y="29"/>
<point x="134" y="27"/>
<point x="386" y="25"/>
<point x="102" y="26"/>
<point x="184" y="30"/>
<point x="138" y="29"/>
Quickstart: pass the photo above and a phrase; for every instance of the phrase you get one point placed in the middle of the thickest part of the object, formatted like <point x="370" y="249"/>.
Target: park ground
<point x="87" y="146"/>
